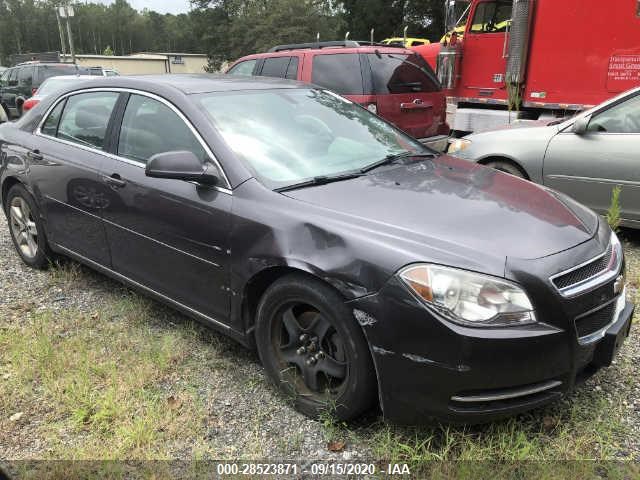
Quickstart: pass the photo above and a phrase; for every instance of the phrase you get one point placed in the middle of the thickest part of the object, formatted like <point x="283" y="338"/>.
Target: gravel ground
<point x="245" y="413"/>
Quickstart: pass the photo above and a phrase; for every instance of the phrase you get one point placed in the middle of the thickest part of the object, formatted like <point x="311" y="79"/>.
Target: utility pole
<point x="66" y="11"/>
<point x="62" y="44"/>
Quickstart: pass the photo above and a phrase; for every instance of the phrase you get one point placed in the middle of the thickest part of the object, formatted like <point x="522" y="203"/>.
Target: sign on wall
<point x="623" y="73"/>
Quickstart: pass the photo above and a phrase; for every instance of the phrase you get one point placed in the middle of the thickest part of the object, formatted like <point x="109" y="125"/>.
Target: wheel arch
<point x="506" y="159"/>
<point x="6" y="186"/>
<point x="254" y="289"/>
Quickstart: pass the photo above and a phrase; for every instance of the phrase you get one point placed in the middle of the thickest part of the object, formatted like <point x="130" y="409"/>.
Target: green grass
<point x="106" y="383"/>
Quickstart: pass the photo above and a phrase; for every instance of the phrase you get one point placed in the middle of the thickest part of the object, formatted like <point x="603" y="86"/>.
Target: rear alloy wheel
<point x="313" y="350"/>
<point x="506" y="167"/>
<point x="26" y="227"/>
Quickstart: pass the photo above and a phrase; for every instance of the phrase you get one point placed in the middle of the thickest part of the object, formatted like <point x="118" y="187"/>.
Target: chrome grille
<point x="591" y="274"/>
<point x="595" y="321"/>
<point x="585" y="272"/>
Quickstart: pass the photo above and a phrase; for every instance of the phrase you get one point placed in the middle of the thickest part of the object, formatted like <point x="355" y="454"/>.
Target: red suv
<point x="395" y="83"/>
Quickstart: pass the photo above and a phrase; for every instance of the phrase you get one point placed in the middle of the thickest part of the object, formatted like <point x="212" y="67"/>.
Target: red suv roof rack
<point x="331" y="44"/>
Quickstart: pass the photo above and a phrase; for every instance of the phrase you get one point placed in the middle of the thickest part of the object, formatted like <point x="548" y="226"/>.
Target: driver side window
<point x="149" y="127"/>
<point x="621" y="118"/>
<point x="492" y="17"/>
<point x="243" y="68"/>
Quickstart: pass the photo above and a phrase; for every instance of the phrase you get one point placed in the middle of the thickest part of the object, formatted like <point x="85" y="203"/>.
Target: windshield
<point x="287" y="136"/>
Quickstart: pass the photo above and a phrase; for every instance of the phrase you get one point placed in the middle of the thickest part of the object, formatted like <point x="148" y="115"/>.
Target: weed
<point x="613" y="213"/>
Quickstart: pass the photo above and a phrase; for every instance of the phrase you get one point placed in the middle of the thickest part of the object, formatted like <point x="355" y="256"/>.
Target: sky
<point x="161" y="6"/>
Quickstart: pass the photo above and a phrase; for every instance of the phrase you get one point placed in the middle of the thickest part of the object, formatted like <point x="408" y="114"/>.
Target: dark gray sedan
<point x="363" y="267"/>
<point x="585" y="157"/>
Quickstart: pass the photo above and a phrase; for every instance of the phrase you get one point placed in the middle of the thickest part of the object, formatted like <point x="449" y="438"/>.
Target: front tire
<point x="313" y="350"/>
<point x="26" y="228"/>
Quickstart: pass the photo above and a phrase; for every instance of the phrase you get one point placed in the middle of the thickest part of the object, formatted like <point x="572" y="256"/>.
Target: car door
<point x="485" y="49"/>
<point x="171" y="236"/>
<point x="590" y="165"/>
<point x="407" y="92"/>
<point x="64" y="164"/>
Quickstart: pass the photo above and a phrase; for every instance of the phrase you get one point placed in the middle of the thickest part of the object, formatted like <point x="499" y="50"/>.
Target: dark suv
<point x="20" y="82"/>
<point x="395" y="83"/>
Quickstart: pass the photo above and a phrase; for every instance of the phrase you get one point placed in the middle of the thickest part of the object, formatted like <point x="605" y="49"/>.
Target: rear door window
<point x="393" y="73"/>
<point x="13" y="77"/>
<point x="292" y="69"/>
<point x="25" y="77"/>
<point x="338" y="72"/>
<point x="243" y="68"/>
<point x="275" y="67"/>
<point x="86" y="117"/>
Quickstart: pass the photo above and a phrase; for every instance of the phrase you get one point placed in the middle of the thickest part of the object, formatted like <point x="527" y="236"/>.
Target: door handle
<point x="416" y="105"/>
<point x="114" y="180"/>
<point x="35" y="155"/>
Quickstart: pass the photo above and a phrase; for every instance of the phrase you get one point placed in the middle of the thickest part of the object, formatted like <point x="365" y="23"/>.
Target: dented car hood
<point x="450" y="201"/>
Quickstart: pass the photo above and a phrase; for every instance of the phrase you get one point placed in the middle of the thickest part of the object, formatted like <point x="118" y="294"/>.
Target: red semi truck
<point x="532" y="59"/>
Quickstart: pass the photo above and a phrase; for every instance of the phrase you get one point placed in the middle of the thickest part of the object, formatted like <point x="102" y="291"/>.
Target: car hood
<point x="451" y="202"/>
<point x="518" y="124"/>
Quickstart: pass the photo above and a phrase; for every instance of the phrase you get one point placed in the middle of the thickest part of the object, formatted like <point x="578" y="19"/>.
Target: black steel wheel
<point x="313" y="349"/>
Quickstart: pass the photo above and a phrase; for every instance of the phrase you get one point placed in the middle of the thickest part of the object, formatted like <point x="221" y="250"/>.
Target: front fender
<point x="525" y="147"/>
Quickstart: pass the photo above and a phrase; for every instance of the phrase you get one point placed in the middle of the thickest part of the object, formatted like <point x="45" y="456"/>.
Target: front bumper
<point x="430" y="369"/>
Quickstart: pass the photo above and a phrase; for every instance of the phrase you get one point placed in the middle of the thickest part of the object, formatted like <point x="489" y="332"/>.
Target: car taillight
<point x="373" y="108"/>
<point x="29" y="104"/>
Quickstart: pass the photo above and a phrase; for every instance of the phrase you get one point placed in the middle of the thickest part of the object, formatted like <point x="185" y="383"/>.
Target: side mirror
<point x="179" y="165"/>
<point x="581" y="124"/>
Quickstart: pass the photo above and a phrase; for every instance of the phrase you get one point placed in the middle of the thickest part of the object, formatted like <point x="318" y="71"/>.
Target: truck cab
<point x="507" y="60"/>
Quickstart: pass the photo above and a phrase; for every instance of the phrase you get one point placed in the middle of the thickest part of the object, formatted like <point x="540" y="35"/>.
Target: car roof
<point x="45" y="64"/>
<point x="190" y="83"/>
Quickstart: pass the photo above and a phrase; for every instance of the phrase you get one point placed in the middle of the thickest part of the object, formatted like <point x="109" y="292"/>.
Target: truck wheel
<point x="313" y="349"/>
<point x="507" y="167"/>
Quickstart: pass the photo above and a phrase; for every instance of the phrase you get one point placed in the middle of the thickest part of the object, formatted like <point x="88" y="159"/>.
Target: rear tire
<point x="26" y="228"/>
<point x="313" y="350"/>
<point x="507" y="167"/>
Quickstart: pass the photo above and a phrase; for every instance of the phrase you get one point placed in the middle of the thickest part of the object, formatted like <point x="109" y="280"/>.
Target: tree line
<point x="224" y="29"/>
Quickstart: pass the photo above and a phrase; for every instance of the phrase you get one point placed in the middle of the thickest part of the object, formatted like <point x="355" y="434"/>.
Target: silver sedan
<point x="586" y="156"/>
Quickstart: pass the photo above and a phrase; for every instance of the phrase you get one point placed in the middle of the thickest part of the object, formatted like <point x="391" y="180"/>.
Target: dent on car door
<point x="589" y="165"/>
<point x="168" y="235"/>
<point x="64" y="166"/>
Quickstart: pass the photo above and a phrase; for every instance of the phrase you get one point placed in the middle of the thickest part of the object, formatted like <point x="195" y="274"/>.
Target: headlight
<point x="458" y="145"/>
<point x="469" y="298"/>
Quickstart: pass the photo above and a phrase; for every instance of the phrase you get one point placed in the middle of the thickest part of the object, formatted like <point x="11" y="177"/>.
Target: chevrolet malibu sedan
<point x="363" y="267"/>
<point x="586" y="156"/>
